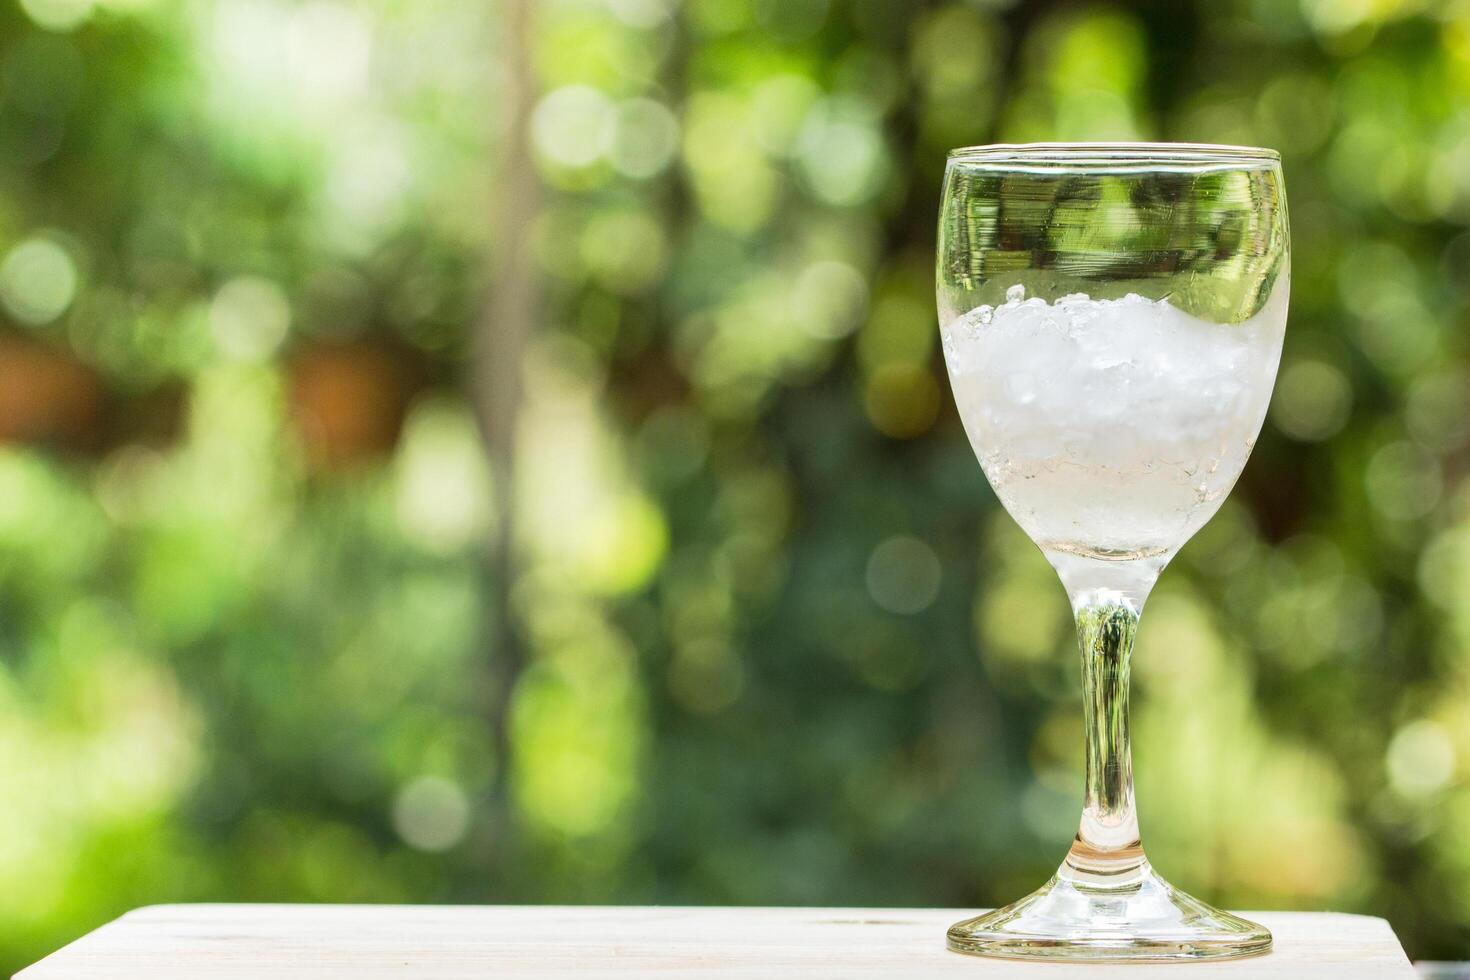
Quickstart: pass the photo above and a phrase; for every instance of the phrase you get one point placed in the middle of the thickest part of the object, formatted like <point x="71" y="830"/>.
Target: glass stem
<point x="1107" y="852"/>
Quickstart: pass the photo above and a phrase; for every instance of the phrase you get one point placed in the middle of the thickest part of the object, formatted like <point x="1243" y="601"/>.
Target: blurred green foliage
<point x="779" y="643"/>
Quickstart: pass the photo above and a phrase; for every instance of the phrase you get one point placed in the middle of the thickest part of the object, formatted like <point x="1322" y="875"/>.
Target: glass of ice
<point x="1112" y="318"/>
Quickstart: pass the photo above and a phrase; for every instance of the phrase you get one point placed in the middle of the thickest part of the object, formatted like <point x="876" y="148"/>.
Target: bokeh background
<point x="497" y="452"/>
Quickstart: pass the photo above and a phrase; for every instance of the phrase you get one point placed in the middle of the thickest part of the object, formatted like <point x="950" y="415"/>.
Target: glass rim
<point x="1115" y="155"/>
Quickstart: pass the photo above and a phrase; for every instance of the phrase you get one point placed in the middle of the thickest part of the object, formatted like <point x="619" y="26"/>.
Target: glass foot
<point x="1147" y="919"/>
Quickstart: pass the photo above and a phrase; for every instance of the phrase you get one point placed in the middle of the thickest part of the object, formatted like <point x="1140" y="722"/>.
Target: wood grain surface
<point x="234" y="942"/>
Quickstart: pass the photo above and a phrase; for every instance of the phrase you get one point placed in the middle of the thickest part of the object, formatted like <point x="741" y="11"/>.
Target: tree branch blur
<point x="498" y="351"/>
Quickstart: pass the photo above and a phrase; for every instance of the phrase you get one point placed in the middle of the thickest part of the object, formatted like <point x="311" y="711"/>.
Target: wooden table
<point x="337" y="942"/>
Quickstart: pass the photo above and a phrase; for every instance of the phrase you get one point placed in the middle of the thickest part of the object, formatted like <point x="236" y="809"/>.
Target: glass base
<point x="1146" y="919"/>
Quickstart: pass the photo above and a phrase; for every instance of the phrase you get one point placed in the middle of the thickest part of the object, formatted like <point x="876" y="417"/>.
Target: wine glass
<point x="1112" y="318"/>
